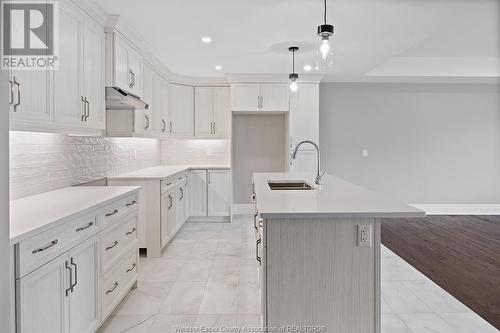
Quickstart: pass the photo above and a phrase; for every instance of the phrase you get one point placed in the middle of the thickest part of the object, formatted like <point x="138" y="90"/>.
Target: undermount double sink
<point x="289" y="185"/>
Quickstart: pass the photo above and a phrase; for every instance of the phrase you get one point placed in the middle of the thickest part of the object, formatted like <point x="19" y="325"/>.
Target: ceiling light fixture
<point x="293" y="76"/>
<point x="218" y="67"/>
<point x="307" y="68"/>
<point x="325" y="31"/>
<point x="206" y="39"/>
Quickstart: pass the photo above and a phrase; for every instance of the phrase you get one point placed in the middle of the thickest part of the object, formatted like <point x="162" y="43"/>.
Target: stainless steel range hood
<point x="117" y="99"/>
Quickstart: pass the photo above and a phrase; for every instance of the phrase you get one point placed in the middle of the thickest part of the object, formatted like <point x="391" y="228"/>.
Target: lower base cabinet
<point x="210" y="195"/>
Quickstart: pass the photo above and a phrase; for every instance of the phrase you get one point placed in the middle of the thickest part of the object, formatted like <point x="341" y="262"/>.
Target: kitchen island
<point x="319" y="252"/>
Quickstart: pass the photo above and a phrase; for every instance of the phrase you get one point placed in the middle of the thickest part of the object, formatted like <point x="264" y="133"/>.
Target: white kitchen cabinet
<point x="160" y="104"/>
<point x="84" y="312"/>
<point x="255" y="97"/>
<point x="219" y="192"/>
<point x="304" y="116"/>
<point x="125" y="65"/>
<point x="143" y="124"/>
<point x="212" y="112"/>
<point x="43" y="305"/>
<point x="168" y="216"/>
<point x="181" y="205"/>
<point x="181" y="110"/>
<point x="198" y="193"/>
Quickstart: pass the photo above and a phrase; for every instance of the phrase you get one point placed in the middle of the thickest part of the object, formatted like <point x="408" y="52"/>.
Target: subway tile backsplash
<point x="41" y="162"/>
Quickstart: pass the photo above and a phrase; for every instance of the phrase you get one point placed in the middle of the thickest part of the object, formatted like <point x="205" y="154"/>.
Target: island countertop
<point x="334" y="198"/>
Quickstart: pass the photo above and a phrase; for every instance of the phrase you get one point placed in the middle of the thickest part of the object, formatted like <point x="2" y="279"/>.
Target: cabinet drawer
<point x="117" y="282"/>
<point x="118" y="209"/>
<point x="42" y="248"/>
<point x="116" y="240"/>
<point x="168" y="184"/>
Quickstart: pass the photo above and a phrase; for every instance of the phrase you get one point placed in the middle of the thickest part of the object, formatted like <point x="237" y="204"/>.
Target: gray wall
<point x="427" y="143"/>
<point x="259" y="145"/>
<point x="5" y="274"/>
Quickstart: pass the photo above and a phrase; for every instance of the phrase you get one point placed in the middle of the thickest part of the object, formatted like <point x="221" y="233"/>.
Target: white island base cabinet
<point x="69" y="278"/>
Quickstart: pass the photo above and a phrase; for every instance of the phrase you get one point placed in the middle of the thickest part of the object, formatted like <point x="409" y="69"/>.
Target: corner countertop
<point x="335" y="198"/>
<point x="34" y="214"/>
<point x="164" y="171"/>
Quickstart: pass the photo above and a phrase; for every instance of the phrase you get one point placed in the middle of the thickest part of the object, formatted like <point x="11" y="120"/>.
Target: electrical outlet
<point x="365" y="152"/>
<point x="365" y="235"/>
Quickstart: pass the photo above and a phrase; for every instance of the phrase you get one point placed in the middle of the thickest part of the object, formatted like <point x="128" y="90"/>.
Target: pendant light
<point x="324" y="51"/>
<point x="293" y="76"/>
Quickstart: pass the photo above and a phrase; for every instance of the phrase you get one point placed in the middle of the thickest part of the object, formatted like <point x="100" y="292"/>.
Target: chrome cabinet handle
<point x="131" y="268"/>
<point x="171" y="126"/>
<point x="70" y="278"/>
<point x="164" y="129"/>
<point x="209" y="177"/>
<point x="131" y="80"/>
<point x="84" y="109"/>
<point x="258" y="102"/>
<point x="76" y="274"/>
<point x="171" y="202"/>
<point x="214" y="131"/>
<point x="182" y="193"/>
<point x="85" y="227"/>
<point x="112" y="289"/>
<point x="112" y="213"/>
<point x="11" y="97"/>
<point x="18" y="94"/>
<point x="147" y="122"/>
<point x="87" y="103"/>
<point x="53" y="243"/>
<point x="131" y="204"/>
<point x="115" y="243"/>
<point x="131" y="231"/>
<point x="255" y="220"/>
<point x="259" y="259"/>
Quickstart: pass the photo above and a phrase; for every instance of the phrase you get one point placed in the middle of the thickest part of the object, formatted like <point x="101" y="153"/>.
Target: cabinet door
<point x="219" y="192"/>
<point x="204" y="111"/>
<point x="164" y="208"/>
<point x="181" y="110"/>
<point x="172" y="225"/>
<point x="275" y="97"/>
<point x="144" y="122"/>
<point x="43" y="304"/>
<point x="181" y="208"/>
<point x="135" y="63"/>
<point x="165" y="107"/>
<point x="93" y="73"/>
<point x="68" y="79"/>
<point x="83" y="300"/>
<point x="304" y="115"/>
<point x="222" y="111"/>
<point x="197" y="193"/>
<point x="245" y="97"/>
<point x="160" y="125"/>
<point x="121" y="73"/>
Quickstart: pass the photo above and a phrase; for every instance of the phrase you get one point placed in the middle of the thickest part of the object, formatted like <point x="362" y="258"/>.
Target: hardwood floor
<point x="459" y="253"/>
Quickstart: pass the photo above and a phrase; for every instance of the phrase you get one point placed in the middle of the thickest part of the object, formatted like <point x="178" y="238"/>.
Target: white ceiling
<point x="373" y="38"/>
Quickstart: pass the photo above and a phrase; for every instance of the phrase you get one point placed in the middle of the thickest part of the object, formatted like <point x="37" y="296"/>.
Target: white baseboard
<point x="243" y="209"/>
<point x="454" y="209"/>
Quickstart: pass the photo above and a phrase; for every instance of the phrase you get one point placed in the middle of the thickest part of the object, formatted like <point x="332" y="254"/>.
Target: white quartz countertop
<point x="164" y="171"/>
<point x="34" y="214"/>
<point x="335" y="198"/>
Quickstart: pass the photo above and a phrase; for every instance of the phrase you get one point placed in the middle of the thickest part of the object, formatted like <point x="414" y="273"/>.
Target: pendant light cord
<point x="325" y="13"/>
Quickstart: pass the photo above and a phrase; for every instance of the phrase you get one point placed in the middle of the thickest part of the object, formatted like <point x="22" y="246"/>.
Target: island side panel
<point x="316" y="274"/>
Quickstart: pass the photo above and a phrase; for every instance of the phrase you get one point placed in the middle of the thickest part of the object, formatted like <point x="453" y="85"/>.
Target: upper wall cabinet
<point x="71" y="98"/>
<point x="180" y="116"/>
<point x="212" y="112"/>
<point x="124" y="65"/>
<point x="253" y="97"/>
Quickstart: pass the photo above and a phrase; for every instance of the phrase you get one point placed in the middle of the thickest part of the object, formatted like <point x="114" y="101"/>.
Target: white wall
<point x="259" y="145"/>
<point x="41" y="162"/>
<point x="182" y="151"/>
<point x="427" y="143"/>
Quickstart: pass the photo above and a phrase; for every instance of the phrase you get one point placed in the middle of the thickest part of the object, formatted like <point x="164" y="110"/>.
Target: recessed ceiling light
<point x="307" y="68"/>
<point x="206" y="39"/>
<point x="218" y="67"/>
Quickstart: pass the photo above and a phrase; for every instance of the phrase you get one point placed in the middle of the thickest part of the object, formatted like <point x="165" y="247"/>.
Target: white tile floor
<point x="208" y="277"/>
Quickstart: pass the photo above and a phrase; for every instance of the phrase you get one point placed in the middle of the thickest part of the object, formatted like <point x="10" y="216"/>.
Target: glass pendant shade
<point x="324" y="54"/>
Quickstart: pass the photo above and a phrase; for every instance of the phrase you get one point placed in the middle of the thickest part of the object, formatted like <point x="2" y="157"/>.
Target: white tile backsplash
<point x="182" y="151"/>
<point x="41" y="162"/>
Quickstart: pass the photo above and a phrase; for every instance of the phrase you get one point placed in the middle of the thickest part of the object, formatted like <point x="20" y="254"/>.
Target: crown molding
<point x="414" y="79"/>
<point x="93" y="9"/>
<point x="271" y="78"/>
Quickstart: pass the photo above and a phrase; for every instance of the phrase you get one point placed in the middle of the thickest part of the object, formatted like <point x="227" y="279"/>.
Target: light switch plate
<point x="365" y="235"/>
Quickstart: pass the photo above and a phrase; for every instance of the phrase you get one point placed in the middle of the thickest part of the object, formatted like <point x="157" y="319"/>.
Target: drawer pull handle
<point x="256" y="215"/>
<point x="180" y="178"/>
<point x="112" y="246"/>
<point x="168" y="184"/>
<point x="112" y="289"/>
<point x="131" y="204"/>
<point x="54" y="242"/>
<point x="85" y="227"/>
<point x="76" y="274"/>
<point x="131" y="231"/>
<point x="257" y="251"/>
<point x="70" y="278"/>
<point x="131" y="268"/>
<point x="112" y="213"/>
